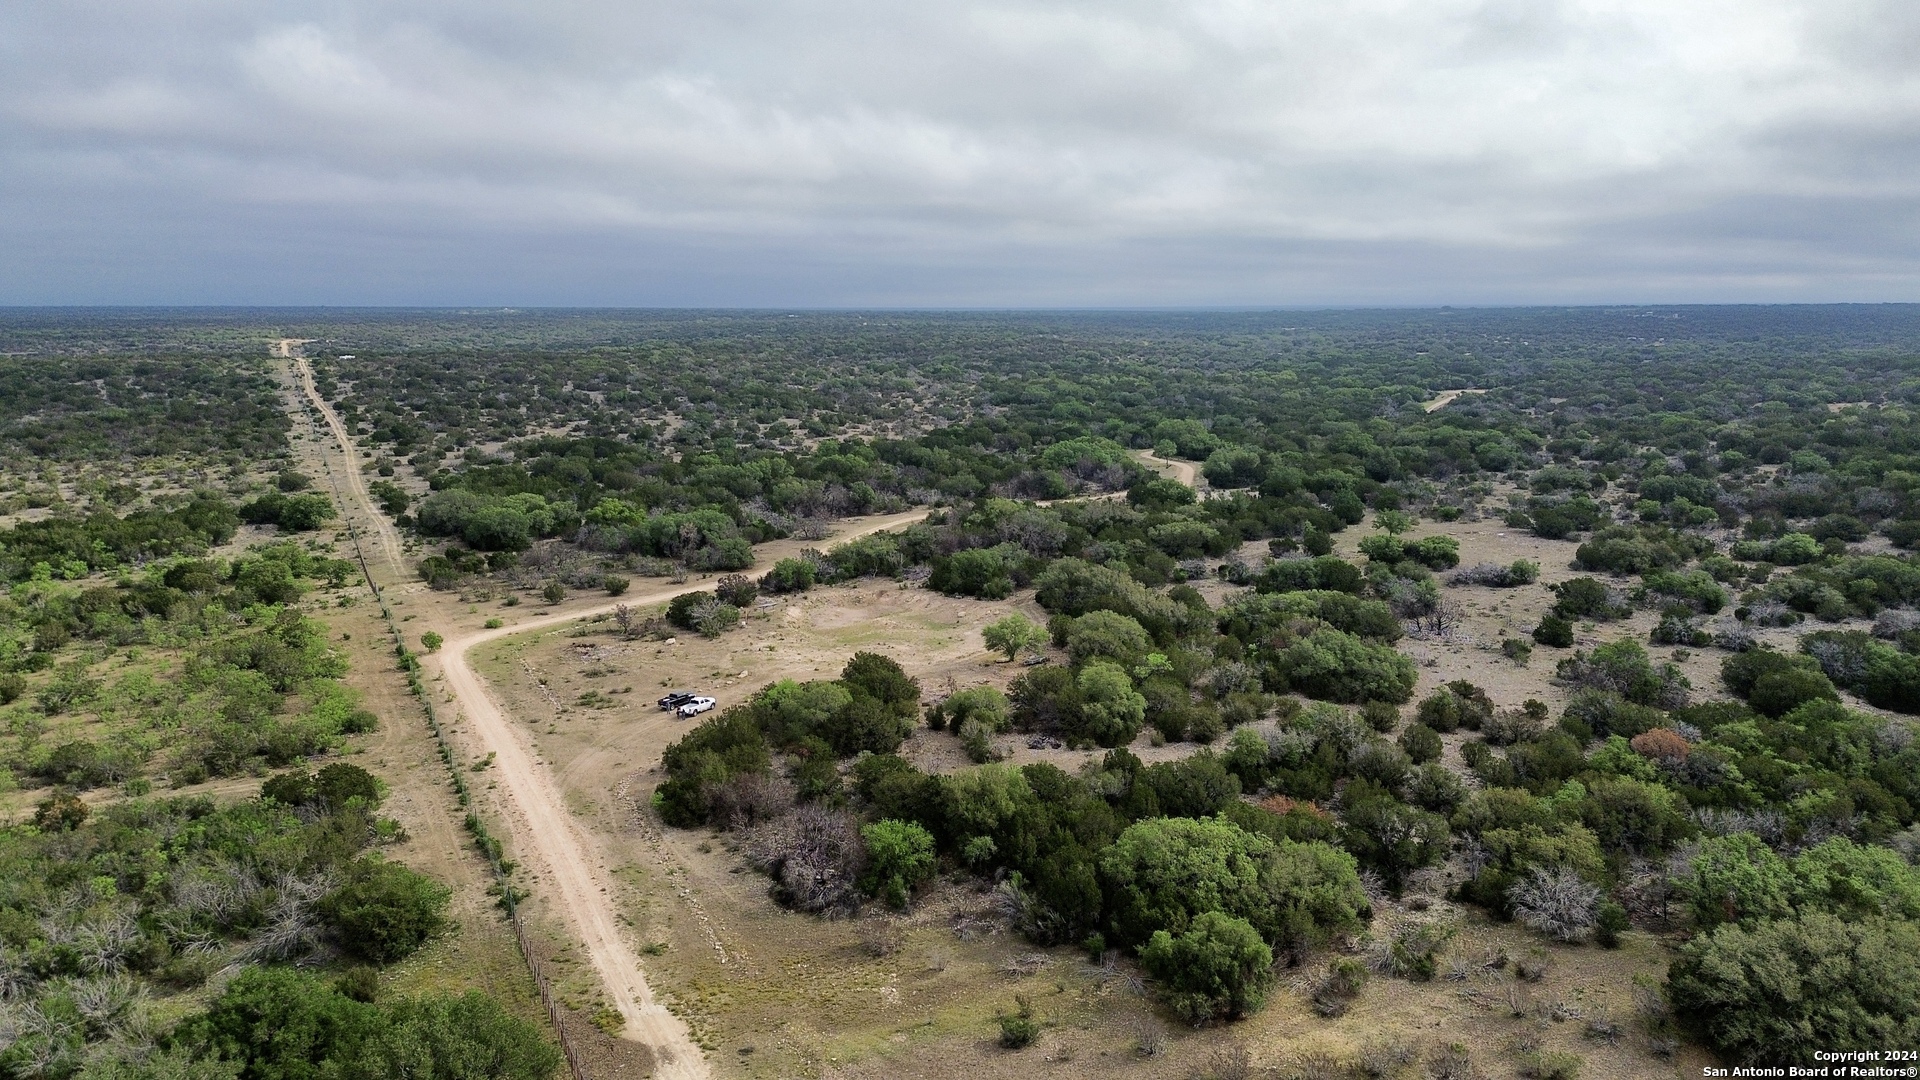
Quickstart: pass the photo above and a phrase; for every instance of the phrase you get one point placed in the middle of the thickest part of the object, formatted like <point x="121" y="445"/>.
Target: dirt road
<point x="1446" y="398"/>
<point x="1184" y="471"/>
<point x="389" y="551"/>
<point x="546" y="834"/>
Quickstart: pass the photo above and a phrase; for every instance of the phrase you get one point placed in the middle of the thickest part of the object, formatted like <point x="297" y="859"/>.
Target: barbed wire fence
<point x="488" y="844"/>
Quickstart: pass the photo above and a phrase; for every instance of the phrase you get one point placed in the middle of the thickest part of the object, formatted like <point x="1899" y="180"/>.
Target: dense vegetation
<point x="103" y="912"/>
<point x="197" y="667"/>
<point x="1734" y="472"/>
<point x="105" y="408"/>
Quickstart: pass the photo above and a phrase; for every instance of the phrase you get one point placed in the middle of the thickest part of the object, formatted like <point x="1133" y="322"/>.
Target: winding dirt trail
<point x="1447" y="397"/>
<point x="1184" y="471"/>
<point x="546" y="834"/>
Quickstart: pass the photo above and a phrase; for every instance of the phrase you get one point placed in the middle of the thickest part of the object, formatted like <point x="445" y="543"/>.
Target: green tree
<point x="1785" y="987"/>
<point x="1107" y="635"/>
<point x="1161" y="873"/>
<point x="1555" y="630"/>
<point x="984" y="705"/>
<point x="1779" y="692"/>
<point x="899" y="857"/>
<point x="1392" y="838"/>
<point x="1855" y="881"/>
<point x="882" y="678"/>
<point x="1737" y="879"/>
<point x="1335" y="666"/>
<point x="789" y="575"/>
<point x="1111" y="709"/>
<point x="1394" y="522"/>
<point x="791" y="710"/>
<point x="281" y="1024"/>
<point x="385" y="911"/>
<point x="1013" y="635"/>
<point x="431" y="641"/>
<point x="447" y="1037"/>
<point x="1218" y="969"/>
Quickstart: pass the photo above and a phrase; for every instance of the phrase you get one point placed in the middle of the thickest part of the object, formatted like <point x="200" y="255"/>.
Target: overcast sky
<point x="846" y="152"/>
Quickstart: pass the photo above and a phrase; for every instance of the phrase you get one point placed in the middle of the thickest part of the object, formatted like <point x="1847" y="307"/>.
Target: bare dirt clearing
<point x="770" y="993"/>
<point x="1446" y="398"/>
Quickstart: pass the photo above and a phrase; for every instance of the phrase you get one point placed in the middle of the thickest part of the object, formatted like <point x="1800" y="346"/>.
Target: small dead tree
<point x="1556" y="902"/>
<point x="815" y="857"/>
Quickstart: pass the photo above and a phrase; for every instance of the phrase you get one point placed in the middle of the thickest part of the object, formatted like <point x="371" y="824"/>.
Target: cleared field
<point x="771" y="993"/>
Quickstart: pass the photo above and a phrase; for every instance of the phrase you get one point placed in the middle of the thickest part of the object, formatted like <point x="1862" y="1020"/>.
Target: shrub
<point x="1555" y="630"/>
<point x="1550" y="1065"/>
<point x="1435" y="552"/>
<point x="1333" y="992"/>
<point x="1736" y="879"/>
<point x="1013" y="635"/>
<point x="1632" y="815"/>
<point x="789" y="575"/>
<point x="1412" y="951"/>
<point x="1018" y="1029"/>
<point x="1380" y="763"/>
<point x="1609" y="923"/>
<point x="431" y="641"/>
<point x="983" y="704"/>
<point x="1107" y="635"/>
<point x="1336" y="666"/>
<point x="615" y="584"/>
<point x="1458" y="704"/>
<point x="1661" y="744"/>
<point x="868" y="674"/>
<point x="1695" y="588"/>
<point x="1219" y="968"/>
<point x="1622" y="667"/>
<point x="1163" y="872"/>
<point x="1421" y="743"/>
<point x="815" y="856"/>
<point x="1556" y="902"/>
<point x="1389" y="837"/>
<point x="61" y="811"/>
<point x="1434" y="787"/>
<point x="899" y="858"/>
<point x="1508" y="726"/>
<point x="1587" y="598"/>
<point x="1111" y="710"/>
<point x="736" y="589"/>
<point x="986" y="573"/>
<point x="1778" y="991"/>
<point x="386" y="911"/>
<point x="277" y="1022"/>
<point x="554" y="591"/>
<point x="976" y="739"/>
<point x="1381" y="716"/>
<point x="1879" y="673"/>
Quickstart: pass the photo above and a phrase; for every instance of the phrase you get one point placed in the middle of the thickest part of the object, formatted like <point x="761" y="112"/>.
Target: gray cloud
<point x="854" y="152"/>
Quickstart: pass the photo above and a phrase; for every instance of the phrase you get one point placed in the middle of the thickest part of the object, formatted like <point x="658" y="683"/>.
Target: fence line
<point x="487" y="843"/>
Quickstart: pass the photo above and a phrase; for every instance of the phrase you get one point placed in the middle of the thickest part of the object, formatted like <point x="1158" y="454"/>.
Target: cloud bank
<point x="845" y="152"/>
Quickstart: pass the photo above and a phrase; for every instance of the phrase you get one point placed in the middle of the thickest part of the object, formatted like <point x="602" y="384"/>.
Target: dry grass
<point x="812" y="998"/>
